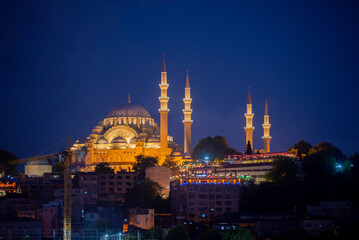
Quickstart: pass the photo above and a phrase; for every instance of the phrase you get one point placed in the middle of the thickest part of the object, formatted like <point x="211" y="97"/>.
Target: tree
<point x="104" y="226"/>
<point x="210" y="234"/>
<point x="238" y="234"/>
<point x="143" y="194"/>
<point x="103" y="168"/>
<point x="5" y="166"/>
<point x="248" y="148"/>
<point x="155" y="233"/>
<point x="169" y="162"/>
<point x="143" y="162"/>
<point x="328" y="149"/>
<point x="301" y="148"/>
<point x="284" y="172"/>
<point x="212" y="148"/>
<point x="177" y="233"/>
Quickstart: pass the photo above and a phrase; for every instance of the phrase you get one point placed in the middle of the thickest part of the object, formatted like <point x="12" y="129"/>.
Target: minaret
<point x="164" y="107"/>
<point x="266" y="126"/>
<point x="187" y="111"/>
<point x="249" y="120"/>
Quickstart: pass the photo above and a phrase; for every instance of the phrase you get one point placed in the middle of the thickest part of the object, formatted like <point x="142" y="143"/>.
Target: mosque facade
<point x="128" y="131"/>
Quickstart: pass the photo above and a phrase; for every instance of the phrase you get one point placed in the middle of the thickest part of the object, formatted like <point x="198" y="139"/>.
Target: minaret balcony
<point x="266" y="125"/>
<point x="266" y="137"/>
<point x="164" y="98"/>
<point x="187" y="99"/>
<point x="187" y="121"/>
<point x="187" y="110"/>
<point x="249" y="114"/>
<point x="164" y="85"/>
<point x="248" y="128"/>
<point x="163" y="110"/>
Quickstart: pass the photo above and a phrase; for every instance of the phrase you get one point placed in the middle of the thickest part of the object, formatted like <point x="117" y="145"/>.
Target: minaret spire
<point x="249" y="99"/>
<point x="187" y="81"/>
<point x="164" y="109"/>
<point x="129" y="98"/>
<point x="249" y="120"/>
<point x="164" y="64"/>
<point x="266" y="109"/>
<point x="266" y="127"/>
<point x="187" y="121"/>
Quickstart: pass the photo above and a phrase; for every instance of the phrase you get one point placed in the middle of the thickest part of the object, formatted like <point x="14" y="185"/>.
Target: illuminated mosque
<point x="129" y="130"/>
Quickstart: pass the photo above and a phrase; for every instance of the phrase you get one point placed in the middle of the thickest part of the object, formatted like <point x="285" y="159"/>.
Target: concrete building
<point x="113" y="187"/>
<point x="204" y="199"/>
<point x="142" y="218"/>
<point x="38" y="168"/>
<point x="162" y="175"/>
<point x="89" y="183"/>
<point x="21" y="229"/>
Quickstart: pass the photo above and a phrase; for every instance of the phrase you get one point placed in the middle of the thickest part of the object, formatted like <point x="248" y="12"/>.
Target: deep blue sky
<point x="65" y="64"/>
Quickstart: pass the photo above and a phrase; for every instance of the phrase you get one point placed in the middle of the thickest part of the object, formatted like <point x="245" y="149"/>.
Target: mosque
<point x="129" y="130"/>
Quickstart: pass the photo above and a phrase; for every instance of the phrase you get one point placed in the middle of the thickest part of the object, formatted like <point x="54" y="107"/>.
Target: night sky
<point x="65" y="64"/>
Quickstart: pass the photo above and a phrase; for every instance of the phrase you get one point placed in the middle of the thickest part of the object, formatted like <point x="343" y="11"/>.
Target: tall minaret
<point x="266" y="126"/>
<point x="187" y="111"/>
<point x="163" y="107"/>
<point x="249" y="120"/>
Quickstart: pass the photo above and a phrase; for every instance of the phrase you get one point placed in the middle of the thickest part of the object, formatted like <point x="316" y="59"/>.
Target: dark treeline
<point x="322" y="173"/>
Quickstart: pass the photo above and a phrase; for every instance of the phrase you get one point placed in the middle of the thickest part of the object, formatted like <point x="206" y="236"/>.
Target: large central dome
<point x="129" y="110"/>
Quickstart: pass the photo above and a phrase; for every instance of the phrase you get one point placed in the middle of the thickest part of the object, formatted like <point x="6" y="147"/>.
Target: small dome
<point x="81" y="141"/>
<point x="129" y="110"/>
<point x="118" y="140"/>
<point x="133" y="140"/>
<point x="152" y="139"/>
<point x="102" y="141"/>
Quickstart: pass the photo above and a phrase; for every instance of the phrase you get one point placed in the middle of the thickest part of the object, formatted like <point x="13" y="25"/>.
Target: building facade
<point x="204" y="199"/>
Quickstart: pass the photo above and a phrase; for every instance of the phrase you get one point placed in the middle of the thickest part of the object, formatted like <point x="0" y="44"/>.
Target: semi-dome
<point x="129" y="110"/>
<point x="118" y="140"/>
<point x="133" y="140"/>
<point x="102" y="141"/>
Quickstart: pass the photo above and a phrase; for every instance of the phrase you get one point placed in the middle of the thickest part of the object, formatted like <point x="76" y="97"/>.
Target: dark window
<point x="103" y="177"/>
<point x="218" y="202"/>
<point x="111" y="177"/>
<point x="128" y="183"/>
<point x="119" y="177"/>
<point x="128" y="177"/>
<point x="111" y="183"/>
<point x="202" y="196"/>
<point x="119" y="189"/>
<point x="228" y="203"/>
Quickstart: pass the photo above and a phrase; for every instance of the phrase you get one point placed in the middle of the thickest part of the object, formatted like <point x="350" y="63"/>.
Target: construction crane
<point x="67" y="193"/>
<point x="67" y="182"/>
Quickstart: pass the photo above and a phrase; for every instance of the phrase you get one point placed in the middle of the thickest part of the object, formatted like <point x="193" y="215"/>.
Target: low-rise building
<point x="204" y="199"/>
<point x="251" y="167"/>
<point x="113" y="187"/>
<point x="143" y="218"/>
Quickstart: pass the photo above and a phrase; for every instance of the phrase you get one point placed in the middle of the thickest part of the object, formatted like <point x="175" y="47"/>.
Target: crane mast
<point x="67" y="194"/>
